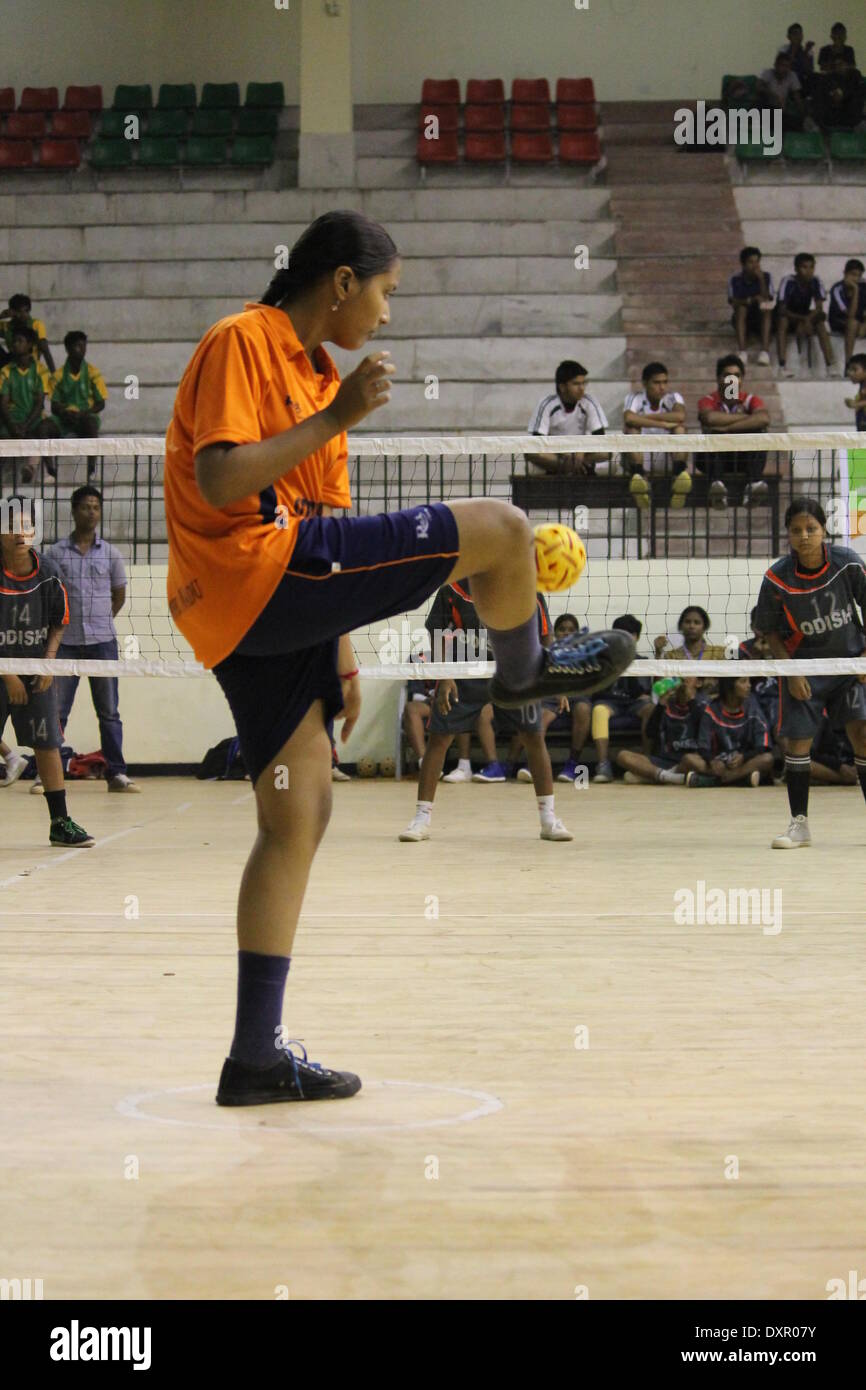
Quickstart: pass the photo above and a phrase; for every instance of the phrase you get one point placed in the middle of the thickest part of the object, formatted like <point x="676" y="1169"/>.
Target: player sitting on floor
<point x="855" y="370"/>
<point x="808" y="607"/>
<point x="733" y="739"/>
<point x="672" y="727"/>
<point x="628" y="697"/>
<point x="656" y="410"/>
<point x="457" y="706"/>
<point x="13" y="767"/>
<point x="832" y="757"/>
<point x="567" y="625"/>
<point x="33" y="612"/>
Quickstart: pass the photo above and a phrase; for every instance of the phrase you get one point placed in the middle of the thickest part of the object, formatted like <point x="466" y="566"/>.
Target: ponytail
<point x="334" y="239"/>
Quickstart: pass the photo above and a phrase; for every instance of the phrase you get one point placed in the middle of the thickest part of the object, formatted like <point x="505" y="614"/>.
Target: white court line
<point x="556" y="922"/>
<point x="128" y="1106"/>
<point x="75" y="854"/>
<point x="245" y="796"/>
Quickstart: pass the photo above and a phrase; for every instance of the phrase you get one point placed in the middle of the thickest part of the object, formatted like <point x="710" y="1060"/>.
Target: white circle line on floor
<point x="129" y="1106"/>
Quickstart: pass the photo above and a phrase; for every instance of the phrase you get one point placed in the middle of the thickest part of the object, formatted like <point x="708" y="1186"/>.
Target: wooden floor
<point x="560" y="1166"/>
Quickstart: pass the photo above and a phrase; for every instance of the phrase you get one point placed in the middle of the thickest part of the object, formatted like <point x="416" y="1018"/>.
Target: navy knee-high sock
<point x="258" y="1023"/>
<point x="797" y="774"/>
<point x="860" y="765"/>
<point x="518" y="653"/>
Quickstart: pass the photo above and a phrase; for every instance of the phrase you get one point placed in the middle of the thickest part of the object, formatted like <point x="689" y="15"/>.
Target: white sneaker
<point x="754" y="778"/>
<point x="36" y="788"/>
<point x="556" y="831"/>
<point x="121" y="783"/>
<point x="524" y="775"/>
<point x="338" y="775"/>
<point x="786" y="370"/>
<point x="755" y="492"/>
<point x="796" y="836"/>
<point x="835" y="371"/>
<point x="633" y="779"/>
<point x="417" y="829"/>
<point x="718" y="495"/>
<point x="15" y="765"/>
<point x="763" y="359"/>
<point x="460" y="774"/>
<point x="743" y="356"/>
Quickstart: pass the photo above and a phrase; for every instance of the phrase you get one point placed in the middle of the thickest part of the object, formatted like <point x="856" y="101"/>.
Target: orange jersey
<point x="248" y="379"/>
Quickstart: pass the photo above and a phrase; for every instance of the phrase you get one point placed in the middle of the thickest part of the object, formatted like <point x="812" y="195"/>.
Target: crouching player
<point x="33" y="613"/>
<point x="733" y="739"/>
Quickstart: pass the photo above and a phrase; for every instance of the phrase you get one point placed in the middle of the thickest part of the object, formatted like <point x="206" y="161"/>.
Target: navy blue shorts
<point x="843" y="697"/>
<point x="525" y="720"/>
<point x="344" y="573"/>
<point x="36" y="724"/>
<point x="460" y="719"/>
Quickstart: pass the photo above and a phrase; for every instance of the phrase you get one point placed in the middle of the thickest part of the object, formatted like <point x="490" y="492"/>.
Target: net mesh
<point x="649" y="560"/>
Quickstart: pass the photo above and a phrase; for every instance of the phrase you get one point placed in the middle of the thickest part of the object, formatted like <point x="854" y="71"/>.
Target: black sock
<point x="56" y="804"/>
<point x="797" y="774"/>
<point x="860" y="764"/>
<point x="518" y="653"/>
<point x="258" y="1022"/>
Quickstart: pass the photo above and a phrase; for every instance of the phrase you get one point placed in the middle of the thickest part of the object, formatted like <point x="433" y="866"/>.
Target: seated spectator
<point x="733" y="739"/>
<point x="656" y="410"/>
<point x="855" y="370"/>
<point x="832" y="757"/>
<point x="672" y="728"/>
<point x="18" y="316"/>
<point x="78" y="393"/>
<point x="801" y="55"/>
<point x="837" y="101"/>
<point x="730" y="410"/>
<point x="800" y="306"/>
<point x="780" y="87"/>
<point x="569" y="410"/>
<point x="580" y="712"/>
<point x="24" y="383"/>
<point x="847" y="311"/>
<point x="750" y="295"/>
<point x="836" y="48"/>
<point x="13" y="767"/>
<point x="551" y="709"/>
<point x="689" y="643"/>
<point x="765" y="689"/>
<point x="628" y="697"/>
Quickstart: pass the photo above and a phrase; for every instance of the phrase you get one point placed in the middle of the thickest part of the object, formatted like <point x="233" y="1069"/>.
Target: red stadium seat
<point x="481" y="118"/>
<point x="26" y="125"/>
<point x="575" y="91"/>
<point x="485" y="149"/>
<point x="16" y="154"/>
<point x="447" y="117"/>
<point x="534" y="117"/>
<point x="7" y="98"/>
<point x="579" y="149"/>
<point x="83" y="99"/>
<point x="39" y="99"/>
<point x="59" y="154"/>
<point x="444" y="92"/>
<point x="485" y="91"/>
<point x="71" y="125"/>
<point x="576" y="118"/>
<point x="441" y="151"/>
<point x="530" y="90"/>
<point x="532" y="149"/>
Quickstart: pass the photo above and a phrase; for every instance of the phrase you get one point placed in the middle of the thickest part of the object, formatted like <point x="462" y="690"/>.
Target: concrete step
<point x="758" y="203"/>
<point x="283" y="173"/>
<point x="706" y="246"/>
<point x="247" y="278"/>
<point x="628" y="164"/>
<point x="779" y="236"/>
<point x="450" y="359"/>
<point x="381" y="172"/>
<point x="473" y="315"/>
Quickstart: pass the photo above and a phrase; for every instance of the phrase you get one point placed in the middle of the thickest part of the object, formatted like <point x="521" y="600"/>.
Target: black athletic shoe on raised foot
<point x="67" y="835"/>
<point x="578" y="665"/>
<point x="293" y="1078"/>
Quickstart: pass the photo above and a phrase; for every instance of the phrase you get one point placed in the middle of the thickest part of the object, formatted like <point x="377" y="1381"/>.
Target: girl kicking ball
<point x="266" y="585"/>
<point x="808" y="607"/>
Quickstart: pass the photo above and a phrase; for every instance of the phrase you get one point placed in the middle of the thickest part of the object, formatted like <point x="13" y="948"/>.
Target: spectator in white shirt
<point x="568" y="410"/>
<point x="656" y="410"/>
<point x="779" y="86"/>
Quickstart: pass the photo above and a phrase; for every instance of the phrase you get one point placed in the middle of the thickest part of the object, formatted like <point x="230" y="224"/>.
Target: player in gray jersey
<point x="813" y="604"/>
<point x="33" y="613"/>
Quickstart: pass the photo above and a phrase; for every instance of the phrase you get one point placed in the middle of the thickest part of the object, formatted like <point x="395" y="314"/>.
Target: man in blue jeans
<point x="94" y="575"/>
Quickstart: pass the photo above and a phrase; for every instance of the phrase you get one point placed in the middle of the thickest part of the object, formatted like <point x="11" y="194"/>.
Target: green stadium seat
<point x="205" y="149"/>
<point x="211" y="122"/>
<point x="110" y="154"/>
<point x="130" y="98"/>
<point x="804" y="145"/>
<point x="265" y="94"/>
<point x="112" y="125"/>
<point x="220" y="96"/>
<point x="176" y="96"/>
<point x="848" y="144"/>
<point x="170" y="122"/>
<point x="253" y="149"/>
<point x="750" y="82"/>
<point x="257" y="121"/>
<point x="756" y="151"/>
<point x="158" y="152"/>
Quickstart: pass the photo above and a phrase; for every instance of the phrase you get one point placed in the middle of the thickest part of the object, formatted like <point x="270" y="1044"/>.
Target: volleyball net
<point x="653" y="547"/>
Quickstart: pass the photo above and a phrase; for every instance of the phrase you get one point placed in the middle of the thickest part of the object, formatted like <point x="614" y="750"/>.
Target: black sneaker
<point x="578" y="665"/>
<point x="293" y="1078"/>
<point x="67" y="835"/>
